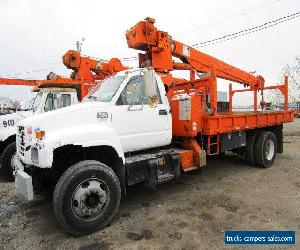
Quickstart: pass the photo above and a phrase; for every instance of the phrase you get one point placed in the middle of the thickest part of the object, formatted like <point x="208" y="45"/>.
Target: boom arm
<point x="83" y="78"/>
<point x="160" y="48"/>
<point x="84" y="67"/>
<point x="21" y="82"/>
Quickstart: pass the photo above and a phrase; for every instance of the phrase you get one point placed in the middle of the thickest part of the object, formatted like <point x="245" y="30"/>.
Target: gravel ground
<point x="190" y="214"/>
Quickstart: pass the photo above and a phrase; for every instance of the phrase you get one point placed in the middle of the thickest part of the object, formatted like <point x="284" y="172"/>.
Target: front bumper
<point x="23" y="181"/>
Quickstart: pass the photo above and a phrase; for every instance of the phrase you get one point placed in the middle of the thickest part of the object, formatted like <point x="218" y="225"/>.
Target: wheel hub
<point x="270" y="149"/>
<point x="89" y="198"/>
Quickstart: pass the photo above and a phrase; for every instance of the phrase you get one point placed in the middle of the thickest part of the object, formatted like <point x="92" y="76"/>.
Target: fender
<point x="9" y="122"/>
<point x="8" y="126"/>
<point x="86" y="136"/>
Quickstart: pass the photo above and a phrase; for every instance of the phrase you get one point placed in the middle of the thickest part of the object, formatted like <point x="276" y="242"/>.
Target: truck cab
<point x="120" y="125"/>
<point x="46" y="99"/>
<point x="120" y="112"/>
<point x="140" y="117"/>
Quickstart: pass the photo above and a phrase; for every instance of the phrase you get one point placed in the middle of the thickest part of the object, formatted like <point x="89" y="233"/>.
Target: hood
<point x="72" y="116"/>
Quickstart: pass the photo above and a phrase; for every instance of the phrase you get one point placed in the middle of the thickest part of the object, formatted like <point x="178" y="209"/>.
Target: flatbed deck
<point x="237" y="121"/>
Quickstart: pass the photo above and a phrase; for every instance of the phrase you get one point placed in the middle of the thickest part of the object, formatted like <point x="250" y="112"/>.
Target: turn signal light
<point x="39" y="134"/>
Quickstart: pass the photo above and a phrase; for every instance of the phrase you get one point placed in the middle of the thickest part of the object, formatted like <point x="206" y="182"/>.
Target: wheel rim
<point x="89" y="199"/>
<point x="270" y="149"/>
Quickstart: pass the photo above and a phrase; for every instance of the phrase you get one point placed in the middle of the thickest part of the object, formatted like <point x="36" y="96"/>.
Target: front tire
<point x="86" y="197"/>
<point x="6" y="162"/>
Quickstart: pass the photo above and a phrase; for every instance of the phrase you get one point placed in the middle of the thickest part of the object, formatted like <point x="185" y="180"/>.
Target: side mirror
<point x="150" y="83"/>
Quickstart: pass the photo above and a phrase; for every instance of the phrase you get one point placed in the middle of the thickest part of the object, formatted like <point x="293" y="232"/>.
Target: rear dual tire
<point x="261" y="148"/>
<point x="86" y="197"/>
<point x="265" y="149"/>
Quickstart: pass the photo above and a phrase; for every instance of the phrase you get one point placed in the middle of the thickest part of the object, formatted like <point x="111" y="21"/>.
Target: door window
<point x="66" y="100"/>
<point x="134" y="92"/>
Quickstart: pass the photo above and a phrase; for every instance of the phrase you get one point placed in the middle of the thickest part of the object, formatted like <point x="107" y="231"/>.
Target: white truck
<point x="47" y="99"/>
<point x="81" y="151"/>
<point x="119" y="135"/>
<point x="140" y="126"/>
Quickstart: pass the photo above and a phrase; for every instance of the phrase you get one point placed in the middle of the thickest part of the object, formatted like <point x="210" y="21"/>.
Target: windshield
<point x="36" y="101"/>
<point x="106" y="90"/>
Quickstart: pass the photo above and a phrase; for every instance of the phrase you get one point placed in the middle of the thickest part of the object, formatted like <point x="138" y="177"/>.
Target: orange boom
<point x="203" y="118"/>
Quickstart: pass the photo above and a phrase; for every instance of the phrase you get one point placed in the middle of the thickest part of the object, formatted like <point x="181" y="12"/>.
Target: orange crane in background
<point x="86" y="73"/>
<point x="86" y="70"/>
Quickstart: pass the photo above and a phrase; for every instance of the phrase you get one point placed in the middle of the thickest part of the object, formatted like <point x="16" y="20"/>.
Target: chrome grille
<point x="21" y="141"/>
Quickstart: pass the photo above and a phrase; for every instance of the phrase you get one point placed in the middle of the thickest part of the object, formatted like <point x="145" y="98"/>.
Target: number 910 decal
<point x="8" y="123"/>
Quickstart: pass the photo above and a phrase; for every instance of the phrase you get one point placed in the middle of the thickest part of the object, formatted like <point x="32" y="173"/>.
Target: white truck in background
<point x="47" y="99"/>
<point x="54" y="93"/>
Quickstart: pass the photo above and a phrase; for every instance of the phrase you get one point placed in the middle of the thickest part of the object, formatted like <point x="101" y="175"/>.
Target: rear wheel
<point x="250" y="146"/>
<point x="86" y="197"/>
<point x="6" y="163"/>
<point x="265" y="149"/>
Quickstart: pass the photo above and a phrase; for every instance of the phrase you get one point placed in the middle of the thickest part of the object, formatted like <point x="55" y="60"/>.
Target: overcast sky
<point x="35" y="34"/>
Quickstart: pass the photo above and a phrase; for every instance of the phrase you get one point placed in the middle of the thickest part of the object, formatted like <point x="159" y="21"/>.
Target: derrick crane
<point x="201" y="94"/>
<point x="160" y="48"/>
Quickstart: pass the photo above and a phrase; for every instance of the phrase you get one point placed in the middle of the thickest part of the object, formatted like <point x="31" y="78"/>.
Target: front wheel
<point x="6" y="163"/>
<point x="86" y="197"/>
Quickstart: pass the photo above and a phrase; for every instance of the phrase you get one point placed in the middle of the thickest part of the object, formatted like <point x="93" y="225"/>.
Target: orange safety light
<point x="39" y="134"/>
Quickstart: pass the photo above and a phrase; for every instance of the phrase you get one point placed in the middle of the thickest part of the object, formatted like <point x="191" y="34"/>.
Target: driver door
<point x="140" y="122"/>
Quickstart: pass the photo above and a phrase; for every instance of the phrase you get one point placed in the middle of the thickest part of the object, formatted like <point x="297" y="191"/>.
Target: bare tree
<point x="293" y="72"/>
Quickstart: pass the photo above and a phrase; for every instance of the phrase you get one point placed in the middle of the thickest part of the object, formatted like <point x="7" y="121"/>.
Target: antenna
<point x="79" y="45"/>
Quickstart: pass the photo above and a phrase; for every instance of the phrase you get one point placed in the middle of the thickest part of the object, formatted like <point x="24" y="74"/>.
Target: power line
<point x="32" y="71"/>
<point x="247" y="31"/>
<point x="241" y="13"/>
<point x="201" y="44"/>
<point x="32" y="51"/>
<point x="127" y="59"/>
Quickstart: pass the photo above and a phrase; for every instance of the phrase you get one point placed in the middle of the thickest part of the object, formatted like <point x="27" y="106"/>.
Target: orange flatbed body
<point x="231" y="122"/>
